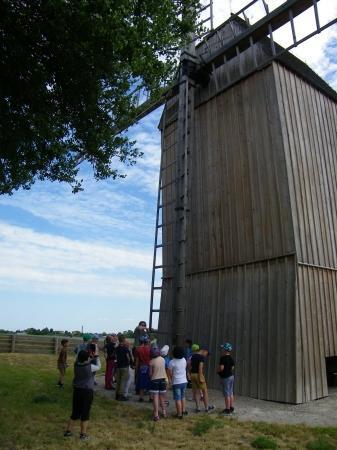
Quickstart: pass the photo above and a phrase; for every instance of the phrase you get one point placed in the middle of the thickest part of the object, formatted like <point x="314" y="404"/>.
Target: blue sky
<point x="71" y="260"/>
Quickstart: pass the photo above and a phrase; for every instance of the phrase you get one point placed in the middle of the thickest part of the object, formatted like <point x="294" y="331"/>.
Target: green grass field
<point x="33" y="415"/>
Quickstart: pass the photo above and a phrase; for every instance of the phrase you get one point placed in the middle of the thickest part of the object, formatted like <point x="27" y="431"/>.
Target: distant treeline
<point x="51" y="332"/>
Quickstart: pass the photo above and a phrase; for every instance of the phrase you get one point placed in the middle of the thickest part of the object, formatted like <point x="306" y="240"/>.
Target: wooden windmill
<point x="246" y="212"/>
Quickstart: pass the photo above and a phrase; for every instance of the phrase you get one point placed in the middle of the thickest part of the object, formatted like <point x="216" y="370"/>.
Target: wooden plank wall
<point x="239" y="198"/>
<point x="240" y="246"/>
<point x="309" y="126"/>
<point x="251" y="306"/>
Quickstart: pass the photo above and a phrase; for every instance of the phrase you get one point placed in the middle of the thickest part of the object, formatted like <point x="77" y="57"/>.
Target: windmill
<point x="246" y="191"/>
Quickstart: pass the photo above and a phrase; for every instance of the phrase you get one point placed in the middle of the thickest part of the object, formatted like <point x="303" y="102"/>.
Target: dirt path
<point x="317" y="413"/>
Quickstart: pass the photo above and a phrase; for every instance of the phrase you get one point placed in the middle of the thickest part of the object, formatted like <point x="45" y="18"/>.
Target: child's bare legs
<point x="179" y="408"/>
<point x="84" y="426"/>
<point x="162" y="400"/>
<point x="70" y="425"/>
<point x="183" y="405"/>
<point x="61" y="378"/>
<point x="196" y="397"/>
<point x="205" y="397"/>
<point x="155" y="402"/>
<point x="228" y="402"/>
<point x="141" y="394"/>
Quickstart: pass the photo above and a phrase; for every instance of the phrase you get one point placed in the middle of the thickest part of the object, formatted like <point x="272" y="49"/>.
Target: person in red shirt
<point x="142" y="366"/>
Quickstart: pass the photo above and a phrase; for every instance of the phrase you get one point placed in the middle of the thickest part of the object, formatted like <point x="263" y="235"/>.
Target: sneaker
<point x="67" y="433"/>
<point x="178" y="417"/>
<point x="226" y="412"/>
<point x="231" y="409"/>
<point x="155" y="418"/>
<point x="185" y="413"/>
<point x="210" y="408"/>
<point x="197" y="410"/>
<point x="84" y="437"/>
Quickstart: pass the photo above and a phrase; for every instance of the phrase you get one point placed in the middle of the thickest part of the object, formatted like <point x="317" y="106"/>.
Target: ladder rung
<point x="164" y="245"/>
<point x="159" y="310"/>
<point x="204" y="21"/>
<point x="167" y="184"/>
<point x="172" y="202"/>
<point x="166" y="224"/>
<point x="203" y="8"/>
<point x="168" y="166"/>
<point x="157" y="288"/>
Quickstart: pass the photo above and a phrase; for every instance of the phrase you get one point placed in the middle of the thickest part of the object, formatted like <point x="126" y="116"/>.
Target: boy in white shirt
<point x="177" y="368"/>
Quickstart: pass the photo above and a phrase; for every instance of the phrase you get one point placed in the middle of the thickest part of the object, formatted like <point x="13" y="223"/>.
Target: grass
<point x="34" y="413"/>
<point x="264" y="442"/>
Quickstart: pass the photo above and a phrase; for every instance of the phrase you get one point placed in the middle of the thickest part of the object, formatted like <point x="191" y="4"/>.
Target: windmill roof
<point x="285" y="58"/>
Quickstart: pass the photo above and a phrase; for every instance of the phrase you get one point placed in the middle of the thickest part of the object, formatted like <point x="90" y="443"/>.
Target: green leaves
<point x="66" y="73"/>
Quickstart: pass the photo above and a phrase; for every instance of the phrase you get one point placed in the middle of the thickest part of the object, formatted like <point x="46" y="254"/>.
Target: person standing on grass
<point x="177" y="368"/>
<point x="142" y="367"/>
<point x="226" y="373"/>
<point x="122" y="371"/>
<point x="83" y="385"/>
<point x="62" y="362"/>
<point x="84" y="345"/>
<point x="198" y="378"/>
<point x="157" y="374"/>
<point x="110" y="356"/>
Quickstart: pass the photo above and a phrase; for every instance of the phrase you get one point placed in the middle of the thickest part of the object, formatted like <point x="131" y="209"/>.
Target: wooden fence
<point x="21" y="343"/>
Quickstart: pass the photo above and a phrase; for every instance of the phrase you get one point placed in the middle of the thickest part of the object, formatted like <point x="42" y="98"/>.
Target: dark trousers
<point x="109" y="373"/>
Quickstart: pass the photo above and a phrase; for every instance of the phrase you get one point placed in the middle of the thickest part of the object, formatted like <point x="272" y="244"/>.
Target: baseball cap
<point x="227" y="347"/>
<point x="195" y="347"/>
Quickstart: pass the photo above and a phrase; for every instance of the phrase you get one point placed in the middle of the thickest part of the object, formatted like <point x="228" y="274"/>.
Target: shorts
<point x="227" y="386"/>
<point x="158" y="386"/>
<point x="82" y="400"/>
<point x="179" y="391"/>
<point x="143" y="378"/>
<point x="196" y="384"/>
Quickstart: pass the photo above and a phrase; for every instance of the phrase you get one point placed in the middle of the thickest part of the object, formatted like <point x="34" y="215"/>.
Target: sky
<point x="69" y="261"/>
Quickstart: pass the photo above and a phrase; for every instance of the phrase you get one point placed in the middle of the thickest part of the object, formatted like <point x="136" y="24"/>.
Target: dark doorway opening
<point x="331" y="370"/>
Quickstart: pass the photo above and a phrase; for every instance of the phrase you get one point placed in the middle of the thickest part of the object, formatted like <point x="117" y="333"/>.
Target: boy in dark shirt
<point x="198" y="378"/>
<point x="225" y="371"/>
<point x="122" y="371"/>
<point x="83" y="384"/>
<point x="62" y="362"/>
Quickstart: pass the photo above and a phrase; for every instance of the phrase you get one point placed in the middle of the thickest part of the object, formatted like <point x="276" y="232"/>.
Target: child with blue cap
<point x="226" y="373"/>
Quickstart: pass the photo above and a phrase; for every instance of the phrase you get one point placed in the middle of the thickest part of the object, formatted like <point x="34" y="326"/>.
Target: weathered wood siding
<point x="251" y="306"/>
<point x="309" y="126"/>
<point x="261" y="239"/>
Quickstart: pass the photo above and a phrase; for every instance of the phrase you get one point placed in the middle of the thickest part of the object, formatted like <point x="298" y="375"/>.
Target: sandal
<point x="155" y="418"/>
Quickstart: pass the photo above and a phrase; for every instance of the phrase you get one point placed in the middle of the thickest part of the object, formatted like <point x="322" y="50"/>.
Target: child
<point x="158" y="384"/>
<point x="83" y="384"/>
<point x="122" y="371"/>
<point x="198" y="377"/>
<point x="110" y="356"/>
<point x="83" y="346"/>
<point x="177" y="367"/>
<point x="95" y="341"/>
<point x="225" y="371"/>
<point x="142" y="366"/>
<point x="62" y="362"/>
<point x="187" y="356"/>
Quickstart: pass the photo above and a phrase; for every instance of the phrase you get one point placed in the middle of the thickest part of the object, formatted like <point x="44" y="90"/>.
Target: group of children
<point x="154" y="372"/>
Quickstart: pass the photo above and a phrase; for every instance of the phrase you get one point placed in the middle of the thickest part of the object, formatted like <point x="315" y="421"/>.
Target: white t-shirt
<point x="178" y="368"/>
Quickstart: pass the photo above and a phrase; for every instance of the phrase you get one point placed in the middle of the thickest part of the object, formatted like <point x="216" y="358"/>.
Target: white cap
<point x="164" y="351"/>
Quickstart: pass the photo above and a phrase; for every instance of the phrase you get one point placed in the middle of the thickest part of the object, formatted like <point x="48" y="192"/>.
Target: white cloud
<point x="40" y="262"/>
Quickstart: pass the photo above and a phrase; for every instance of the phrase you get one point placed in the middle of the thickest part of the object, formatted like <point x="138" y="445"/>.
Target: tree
<point x="68" y="75"/>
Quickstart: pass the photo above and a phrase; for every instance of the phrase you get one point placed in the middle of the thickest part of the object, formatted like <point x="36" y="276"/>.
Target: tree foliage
<point x="67" y="72"/>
